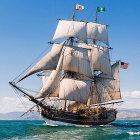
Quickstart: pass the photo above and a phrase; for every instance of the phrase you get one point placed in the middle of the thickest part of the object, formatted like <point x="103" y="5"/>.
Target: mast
<point x="92" y="91"/>
<point x="96" y="15"/>
<point x="73" y="17"/>
<point x="65" y="102"/>
<point x="70" y="43"/>
<point x="89" y="99"/>
<point x="94" y="40"/>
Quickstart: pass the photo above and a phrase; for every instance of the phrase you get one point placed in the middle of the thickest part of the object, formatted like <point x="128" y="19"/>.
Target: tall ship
<point x="79" y="84"/>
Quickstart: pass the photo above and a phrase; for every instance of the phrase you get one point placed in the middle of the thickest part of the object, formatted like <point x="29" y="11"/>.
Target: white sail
<point x="48" y="62"/>
<point x="75" y="90"/>
<point x="44" y="79"/>
<point x="113" y="84"/>
<point x="51" y="85"/>
<point x="98" y="32"/>
<point x="76" y="60"/>
<point x="68" y="28"/>
<point x="99" y="57"/>
<point x="107" y="89"/>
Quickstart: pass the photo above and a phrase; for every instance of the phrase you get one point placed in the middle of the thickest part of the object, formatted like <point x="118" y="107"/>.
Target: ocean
<point x="38" y="130"/>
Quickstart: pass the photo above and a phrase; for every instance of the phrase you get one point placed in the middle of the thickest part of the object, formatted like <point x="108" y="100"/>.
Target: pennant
<point x="124" y="65"/>
<point x="101" y="9"/>
<point x="79" y="7"/>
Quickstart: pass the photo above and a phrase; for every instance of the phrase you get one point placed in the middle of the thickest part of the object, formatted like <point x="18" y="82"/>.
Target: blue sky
<point x="27" y="25"/>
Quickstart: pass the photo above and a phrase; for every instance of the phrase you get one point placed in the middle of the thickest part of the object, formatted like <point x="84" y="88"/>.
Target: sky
<point x="27" y="25"/>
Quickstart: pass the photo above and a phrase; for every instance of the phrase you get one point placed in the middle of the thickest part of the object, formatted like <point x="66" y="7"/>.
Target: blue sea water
<point x="38" y="130"/>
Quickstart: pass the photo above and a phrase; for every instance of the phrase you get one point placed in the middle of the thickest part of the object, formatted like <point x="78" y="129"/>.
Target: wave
<point x="134" y="133"/>
<point x="126" y="125"/>
<point x="58" y="123"/>
<point x="31" y="130"/>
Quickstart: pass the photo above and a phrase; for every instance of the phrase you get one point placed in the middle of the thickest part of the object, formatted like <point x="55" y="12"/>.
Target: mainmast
<point x="94" y="40"/>
<point x="96" y="15"/>
<point x="92" y="89"/>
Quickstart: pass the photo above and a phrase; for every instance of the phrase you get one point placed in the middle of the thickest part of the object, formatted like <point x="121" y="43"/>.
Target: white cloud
<point x="13" y="104"/>
<point x="131" y="100"/>
<point x="133" y="94"/>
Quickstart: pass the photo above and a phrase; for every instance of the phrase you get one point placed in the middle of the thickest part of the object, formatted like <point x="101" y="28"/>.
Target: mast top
<point x="96" y="15"/>
<point x="73" y="17"/>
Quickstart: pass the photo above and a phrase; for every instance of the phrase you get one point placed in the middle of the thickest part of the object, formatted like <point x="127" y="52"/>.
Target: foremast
<point x="68" y="73"/>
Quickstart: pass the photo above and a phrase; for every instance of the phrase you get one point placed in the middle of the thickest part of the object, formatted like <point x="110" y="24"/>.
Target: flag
<point x="79" y="7"/>
<point x="124" y="65"/>
<point x="101" y="9"/>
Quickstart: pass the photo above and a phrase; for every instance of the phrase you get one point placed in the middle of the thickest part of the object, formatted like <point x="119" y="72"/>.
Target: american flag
<point x="124" y="65"/>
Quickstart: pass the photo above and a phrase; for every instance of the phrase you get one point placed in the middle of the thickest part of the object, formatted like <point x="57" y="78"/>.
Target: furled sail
<point x="99" y="57"/>
<point x="68" y="28"/>
<point x="48" y="62"/>
<point x="51" y="85"/>
<point x="75" y="90"/>
<point x="107" y="89"/>
<point x="76" y="60"/>
<point x="98" y="32"/>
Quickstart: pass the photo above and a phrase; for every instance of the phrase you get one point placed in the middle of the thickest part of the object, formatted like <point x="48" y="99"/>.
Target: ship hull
<point x="79" y="119"/>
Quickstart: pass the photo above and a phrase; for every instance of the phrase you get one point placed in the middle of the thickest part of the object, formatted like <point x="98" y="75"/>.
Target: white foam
<point x="134" y="133"/>
<point x="58" y="123"/>
<point x="83" y="125"/>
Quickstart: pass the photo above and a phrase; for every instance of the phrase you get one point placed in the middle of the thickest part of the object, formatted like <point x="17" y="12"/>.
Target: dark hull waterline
<point x="78" y="119"/>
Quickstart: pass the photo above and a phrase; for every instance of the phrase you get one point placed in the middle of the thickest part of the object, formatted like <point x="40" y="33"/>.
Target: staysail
<point x="48" y="62"/>
<point x="67" y="28"/>
<point x="51" y="85"/>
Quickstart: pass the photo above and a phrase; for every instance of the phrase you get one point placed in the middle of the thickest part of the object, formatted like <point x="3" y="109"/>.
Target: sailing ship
<point x="81" y="83"/>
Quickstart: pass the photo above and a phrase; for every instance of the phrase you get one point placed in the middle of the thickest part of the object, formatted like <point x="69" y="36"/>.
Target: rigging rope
<point x="21" y="100"/>
<point x="31" y="63"/>
<point x="29" y="90"/>
<point x="17" y="93"/>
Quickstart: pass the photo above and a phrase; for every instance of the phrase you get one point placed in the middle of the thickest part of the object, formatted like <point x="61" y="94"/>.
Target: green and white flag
<point x="101" y="9"/>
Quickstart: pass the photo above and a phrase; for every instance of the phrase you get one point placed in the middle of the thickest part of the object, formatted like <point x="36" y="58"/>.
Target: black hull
<point x="79" y="119"/>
